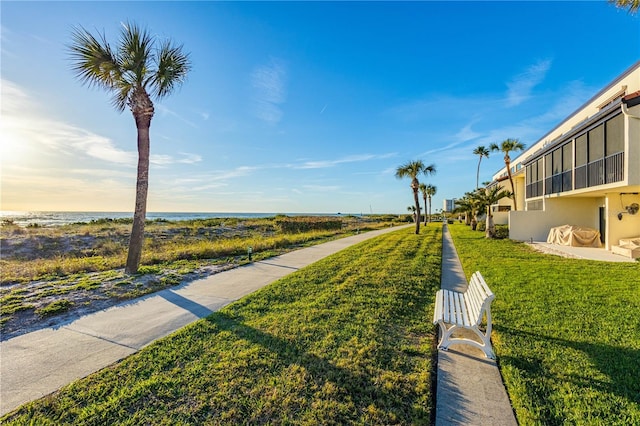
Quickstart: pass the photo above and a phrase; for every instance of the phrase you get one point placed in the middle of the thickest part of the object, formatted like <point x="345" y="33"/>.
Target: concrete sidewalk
<point x="39" y="363"/>
<point x="469" y="386"/>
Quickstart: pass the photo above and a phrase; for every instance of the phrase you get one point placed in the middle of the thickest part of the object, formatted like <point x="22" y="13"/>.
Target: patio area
<point x="591" y="253"/>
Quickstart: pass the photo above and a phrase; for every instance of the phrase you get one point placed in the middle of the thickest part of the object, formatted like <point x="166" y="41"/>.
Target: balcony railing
<point x="581" y="177"/>
<point x="614" y="167"/>
<point x="605" y="170"/>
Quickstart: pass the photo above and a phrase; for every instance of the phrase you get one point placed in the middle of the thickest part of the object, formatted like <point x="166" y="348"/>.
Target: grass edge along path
<point x="347" y="340"/>
<point x="566" y="331"/>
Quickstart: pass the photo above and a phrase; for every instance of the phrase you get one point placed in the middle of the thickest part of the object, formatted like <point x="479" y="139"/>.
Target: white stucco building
<point x="584" y="172"/>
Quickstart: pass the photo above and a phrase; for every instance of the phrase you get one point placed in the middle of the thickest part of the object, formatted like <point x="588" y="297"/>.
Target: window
<point x="534" y="178"/>
<point x="581" y="150"/>
<point x="566" y="157"/>
<point x="534" y="205"/>
<point x="595" y="157"/>
<point x="557" y="161"/>
<point x="581" y="161"/>
<point x="548" y="172"/>
<point x="567" y="167"/>
<point x="596" y="143"/>
<point x="615" y="135"/>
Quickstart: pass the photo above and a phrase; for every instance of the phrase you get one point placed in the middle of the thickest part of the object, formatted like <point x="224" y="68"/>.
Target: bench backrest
<point x="478" y="298"/>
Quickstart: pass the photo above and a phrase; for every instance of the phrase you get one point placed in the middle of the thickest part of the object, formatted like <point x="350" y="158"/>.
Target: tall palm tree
<point x="480" y="151"/>
<point x="423" y="190"/>
<point x="411" y="170"/>
<point x="431" y="191"/>
<point x="485" y="198"/>
<point x="632" y="5"/>
<point x="134" y="71"/>
<point x="507" y="146"/>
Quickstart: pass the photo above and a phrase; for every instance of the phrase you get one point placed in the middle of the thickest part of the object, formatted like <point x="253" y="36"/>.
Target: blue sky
<point x="298" y="107"/>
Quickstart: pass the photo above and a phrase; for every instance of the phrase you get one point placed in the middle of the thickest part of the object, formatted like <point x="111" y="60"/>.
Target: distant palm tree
<point x="423" y="190"/>
<point x="133" y="72"/>
<point x="507" y="146"/>
<point x="632" y="5"/>
<point x="431" y="191"/>
<point x="412" y="210"/>
<point x="464" y="205"/>
<point x="412" y="169"/>
<point x="485" y="198"/>
<point x="480" y="151"/>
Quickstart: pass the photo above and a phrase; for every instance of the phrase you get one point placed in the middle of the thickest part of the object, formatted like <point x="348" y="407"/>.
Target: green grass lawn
<point x="566" y="331"/>
<point x="347" y="340"/>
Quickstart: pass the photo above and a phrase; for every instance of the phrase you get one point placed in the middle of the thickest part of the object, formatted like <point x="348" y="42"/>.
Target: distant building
<point x="449" y="205"/>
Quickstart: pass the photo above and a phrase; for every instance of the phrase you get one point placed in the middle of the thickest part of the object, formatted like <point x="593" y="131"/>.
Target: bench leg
<point x="446" y="340"/>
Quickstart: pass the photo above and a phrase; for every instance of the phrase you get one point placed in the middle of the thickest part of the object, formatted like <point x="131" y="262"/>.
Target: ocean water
<point x="64" y="218"/>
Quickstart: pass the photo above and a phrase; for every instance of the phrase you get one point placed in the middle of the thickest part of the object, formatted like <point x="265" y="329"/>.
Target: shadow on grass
<point x="621" y="365"/>
<point x="358" y="387"/>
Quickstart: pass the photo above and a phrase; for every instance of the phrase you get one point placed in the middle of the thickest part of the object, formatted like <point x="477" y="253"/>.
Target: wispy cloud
<point x="349" y="159"/>
<point x="521" y="86"/>
<point x="163" y="110"/>
<point x="23" y="123"/>
<point x="268" y="82"/>
<point x="321" y="188"/>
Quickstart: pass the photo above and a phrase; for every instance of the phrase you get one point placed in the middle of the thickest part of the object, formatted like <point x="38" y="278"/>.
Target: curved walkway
<point x="39" y="363"/>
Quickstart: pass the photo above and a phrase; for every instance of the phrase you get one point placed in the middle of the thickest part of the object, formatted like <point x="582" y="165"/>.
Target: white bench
<point x="455" y="311"/>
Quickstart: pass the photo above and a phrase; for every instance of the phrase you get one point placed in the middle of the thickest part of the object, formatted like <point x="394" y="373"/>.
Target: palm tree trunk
<point x="425" y="209"/>
<point x="513" y="189"/>
<point x="416" y="199"/>
<point x="478" y="173"/>
<point x="490" y="231"/>
<point x="139" y="215"/>
<point x="142" y="112"/>
<point x="429" y="208"/>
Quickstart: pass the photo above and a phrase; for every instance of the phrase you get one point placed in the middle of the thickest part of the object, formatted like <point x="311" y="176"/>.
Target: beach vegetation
<point x="345" y="340"/>
<point x="84" y="262"/>
<point x="137" y="70"/>
<point x="412" y="169"/>
<point x="565" y="331"/>
<point x="54" y="308"/>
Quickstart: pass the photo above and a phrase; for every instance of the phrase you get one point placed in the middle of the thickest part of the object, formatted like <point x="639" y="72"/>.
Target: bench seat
<point x="455" y="311"/>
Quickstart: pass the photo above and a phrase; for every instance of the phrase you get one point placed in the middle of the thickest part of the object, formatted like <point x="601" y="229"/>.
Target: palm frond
<point x="122" y="95"/>
<point x="136" y="65"/>
<point x="136" y="49"/>
<point x="632" y="5"/>
<point x="93" y="60"/>
<point x="173" y="66"/>
<point x="429" y="170"/>
<point x="410" y="169"/>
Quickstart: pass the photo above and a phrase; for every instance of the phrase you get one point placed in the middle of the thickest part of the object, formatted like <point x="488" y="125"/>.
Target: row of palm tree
<point x="481" y="199"/>
<point x="478" y="201"/>
<point x="412" y="170"/>
<point x="427" y="191"/>
<point x="506" y="147"/>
